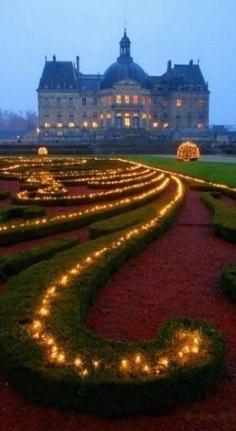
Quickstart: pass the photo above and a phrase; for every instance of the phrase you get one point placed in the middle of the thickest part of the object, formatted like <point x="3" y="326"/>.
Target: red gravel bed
<point x="177" y="275"/>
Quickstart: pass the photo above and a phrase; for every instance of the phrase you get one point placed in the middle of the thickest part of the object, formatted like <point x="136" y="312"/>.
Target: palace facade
<point x="76" y="106"/>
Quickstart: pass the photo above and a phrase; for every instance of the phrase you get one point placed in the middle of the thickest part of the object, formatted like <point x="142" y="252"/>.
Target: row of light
<point x="24" y="195"/>
<point x="185" y="346"/>
<point x="94" y="210"/>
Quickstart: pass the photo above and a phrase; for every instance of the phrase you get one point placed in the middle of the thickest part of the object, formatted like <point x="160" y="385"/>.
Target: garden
<point x="118" y="291"/>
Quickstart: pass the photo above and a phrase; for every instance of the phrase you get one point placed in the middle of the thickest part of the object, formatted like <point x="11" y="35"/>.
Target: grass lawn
<point x="210" y="171"/>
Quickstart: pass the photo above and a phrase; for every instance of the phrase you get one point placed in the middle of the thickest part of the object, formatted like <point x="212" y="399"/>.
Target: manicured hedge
<point x="120" y="222"/>
<point x="224" y="220"/>
<point x="119" y="192"/>
<point x="27" y="232"/>
<point x="21" y="211"/>
<point x="228" y="281"/>
<point x="4" y="194"/>
<point x="108" y="392"/>
<point x="14" y="263"/>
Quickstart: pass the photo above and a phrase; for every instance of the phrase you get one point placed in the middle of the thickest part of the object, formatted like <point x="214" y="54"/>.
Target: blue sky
<point x="159" y="30"/>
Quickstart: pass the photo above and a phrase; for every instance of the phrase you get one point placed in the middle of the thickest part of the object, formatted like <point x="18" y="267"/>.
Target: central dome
<point x="124" y="69"/>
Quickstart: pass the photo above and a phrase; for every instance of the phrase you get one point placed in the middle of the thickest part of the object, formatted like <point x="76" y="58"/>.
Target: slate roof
<point x="58" y="75"/>
<point x="62" y="75"/>
<point x="181" y="77"/>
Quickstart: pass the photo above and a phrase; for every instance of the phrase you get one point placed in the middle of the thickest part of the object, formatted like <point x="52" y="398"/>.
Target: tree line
<point x="24" y="122"/>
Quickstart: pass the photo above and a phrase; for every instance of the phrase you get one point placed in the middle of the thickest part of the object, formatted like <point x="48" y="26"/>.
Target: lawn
<point x="210" y="171"/>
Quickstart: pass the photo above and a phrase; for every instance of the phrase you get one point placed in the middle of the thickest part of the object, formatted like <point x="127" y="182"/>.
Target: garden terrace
<point x="52" y="347"/>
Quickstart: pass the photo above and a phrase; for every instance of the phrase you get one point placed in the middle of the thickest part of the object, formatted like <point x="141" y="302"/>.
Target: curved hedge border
<point x="123" y="221"/>
<point x="14" y="263"/>
<point x="228" y="281"/>
<point x="67" y="222"/>
<point x="4" y="194"/>
<point x="108" y="391"/>
<point x="224" y="220"/>
<point x="94" y="197"/>
<point x="25" y="212"/>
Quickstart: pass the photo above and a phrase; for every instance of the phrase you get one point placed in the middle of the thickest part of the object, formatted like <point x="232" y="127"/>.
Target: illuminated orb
<point x="42" y="151"/>
<point x="188" y="151"/>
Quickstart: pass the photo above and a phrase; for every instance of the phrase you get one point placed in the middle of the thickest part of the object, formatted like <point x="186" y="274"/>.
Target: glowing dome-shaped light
<point x="42" y="151"/>
<point x="188" y="151"/>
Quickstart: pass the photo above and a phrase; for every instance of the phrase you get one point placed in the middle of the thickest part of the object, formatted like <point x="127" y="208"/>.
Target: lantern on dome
<point x="42" y="151"/>
<point x="188" y="151"/>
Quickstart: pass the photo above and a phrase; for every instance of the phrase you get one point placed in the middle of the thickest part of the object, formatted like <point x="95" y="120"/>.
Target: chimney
<point x="54" y="58"/>
<point x="191" y="63"/>
<point x="169" y="65"/>
<point x="77" y="65"/>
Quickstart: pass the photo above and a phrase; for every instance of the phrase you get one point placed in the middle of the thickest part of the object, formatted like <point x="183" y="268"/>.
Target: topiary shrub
<point x="228" y="281"/>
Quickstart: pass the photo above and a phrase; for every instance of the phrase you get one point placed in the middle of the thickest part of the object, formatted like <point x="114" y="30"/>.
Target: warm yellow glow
<point x="47" y="125"/>
<point x="179" y="103"/>
<point x="72" y="124"/>
<point x="127" y="99"/>
<point x="188" y="151"/>
<point x="118" y="99"/>
<point x="42" y="151"/>
<point x="59" y="124"/>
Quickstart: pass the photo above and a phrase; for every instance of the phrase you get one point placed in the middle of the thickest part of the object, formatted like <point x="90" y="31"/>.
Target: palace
<point x="74" y="106"/>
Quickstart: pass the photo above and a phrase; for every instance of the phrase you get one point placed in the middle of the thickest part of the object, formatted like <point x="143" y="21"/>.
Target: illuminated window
<point x="59" y="124"/>
<point x="155" y="124"/>
<point x="201" y="103"/>
<point x="101" y="116"/>
<point x="46" y="125"/>
<point x="127" y="120"/>
<point x="178" y="103"/>
<point x="108" y="115"/>
<point x="71" y="124"/>
<point x="166" y="125"/>
<point x="85" y="124"/>
<point x="127" y="99"/>
<point x="135" y="99"/>
<point x="200" y="125"/>
<point x="118" y="99"/>
<point x="94" y="124"/>
<point x="144" y="116"/>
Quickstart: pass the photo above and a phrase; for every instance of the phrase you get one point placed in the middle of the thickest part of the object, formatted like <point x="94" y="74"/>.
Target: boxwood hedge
<point x="224" y="219"/>
<point x="228" y="281"/>
<point x="108" y="392"/>
<point x="54" y="224"/>
<point x="14" y="263"/>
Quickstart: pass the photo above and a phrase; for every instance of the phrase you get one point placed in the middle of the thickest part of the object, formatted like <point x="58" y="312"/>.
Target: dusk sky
<point x="159" y="30"/>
